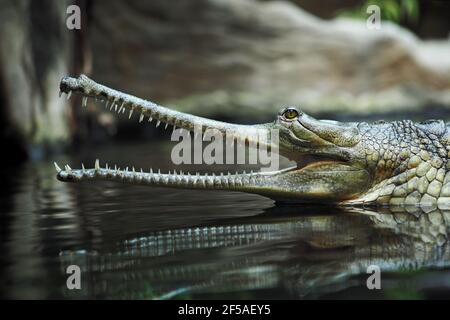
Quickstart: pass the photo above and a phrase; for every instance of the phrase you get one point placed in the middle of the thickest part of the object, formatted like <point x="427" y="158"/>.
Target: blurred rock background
<point x="236" y="60"/>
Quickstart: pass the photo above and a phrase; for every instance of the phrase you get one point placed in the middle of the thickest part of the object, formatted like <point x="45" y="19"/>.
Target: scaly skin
<point x="396" y="163"/>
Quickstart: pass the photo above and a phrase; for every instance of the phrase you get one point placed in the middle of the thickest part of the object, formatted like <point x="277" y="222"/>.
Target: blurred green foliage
<point x="403" y="294"/>
<point x="392" y="10"/>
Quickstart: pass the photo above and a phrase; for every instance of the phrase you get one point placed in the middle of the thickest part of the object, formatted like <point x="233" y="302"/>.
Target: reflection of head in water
<point x="306" y="250"/>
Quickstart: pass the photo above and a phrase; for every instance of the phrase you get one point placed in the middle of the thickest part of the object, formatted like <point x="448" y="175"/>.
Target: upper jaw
<point x="121" y="102"/>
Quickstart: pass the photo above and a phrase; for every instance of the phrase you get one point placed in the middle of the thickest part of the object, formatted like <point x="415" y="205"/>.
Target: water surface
<point x="155" y="243"/>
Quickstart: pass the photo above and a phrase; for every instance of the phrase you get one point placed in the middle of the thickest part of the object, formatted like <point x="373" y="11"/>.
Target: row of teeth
<point x="121" y="109"/>
<point x="116" y="169"/>
<point x="114" y="105"/>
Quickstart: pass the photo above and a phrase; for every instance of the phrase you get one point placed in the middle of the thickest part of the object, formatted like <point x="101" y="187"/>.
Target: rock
<point x="244" y="59"/>
<point x="33" y="57"/>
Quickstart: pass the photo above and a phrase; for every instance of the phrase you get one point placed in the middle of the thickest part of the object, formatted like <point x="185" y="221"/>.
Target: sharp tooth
<point x="82" y="167"/>
<point x="85" y="99"/>
<point x="158" y="123"/>
<point x="58" y="169"/>
<point x="141" y="117"/>
<point x="115" y="107"/>
<point x="106" y="167"/>
<point x="150" y="119"/>
<point x="151" y="171"/>
<point x="126" y="169"/>
<point x="115" y="167"/>
<point x="60" y="93"/>
<point x="131" y="112"/>
<point x="167" y="124"/>
<point x="159" y="171"/>
<point x="68" y="95"/>
<point x="112" y="106"/>
<point x="97" y="164"/>
<point x="68" y="169"/>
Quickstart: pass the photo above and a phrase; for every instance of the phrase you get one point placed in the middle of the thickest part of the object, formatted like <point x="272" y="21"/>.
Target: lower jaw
<point x="221" y="181"/>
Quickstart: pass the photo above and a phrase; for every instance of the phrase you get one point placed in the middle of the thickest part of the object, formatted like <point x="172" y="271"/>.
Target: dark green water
<point x="147" y="243"/>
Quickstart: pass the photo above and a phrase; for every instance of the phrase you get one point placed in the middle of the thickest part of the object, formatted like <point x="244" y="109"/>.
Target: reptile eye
<point x="290" y="114"/>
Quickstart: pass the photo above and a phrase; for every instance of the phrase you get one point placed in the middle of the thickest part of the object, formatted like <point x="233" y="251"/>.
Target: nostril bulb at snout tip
<point x="63" y="84"/>
<point x="68" y="84"/>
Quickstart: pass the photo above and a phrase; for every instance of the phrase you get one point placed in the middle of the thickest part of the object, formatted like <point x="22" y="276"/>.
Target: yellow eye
<point x="290" y="114"/>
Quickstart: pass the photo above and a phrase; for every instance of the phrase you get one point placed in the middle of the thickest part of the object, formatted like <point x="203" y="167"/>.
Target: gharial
<point x="382" y="163"/>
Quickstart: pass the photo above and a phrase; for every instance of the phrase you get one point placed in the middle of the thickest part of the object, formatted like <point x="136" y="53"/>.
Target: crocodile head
<point x="335" y="161"/>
